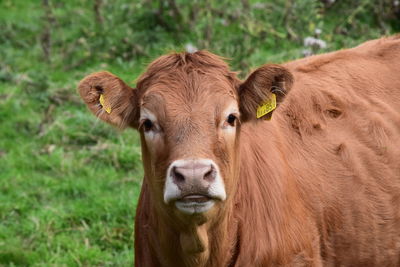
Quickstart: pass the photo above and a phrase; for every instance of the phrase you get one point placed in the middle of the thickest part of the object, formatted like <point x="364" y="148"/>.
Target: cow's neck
<point x="209" y="244"/>
<point x="200" y="245"/>
<point x="269" y="200"/>
<point x="194" y="243"/>
<point x="195" y="240"/>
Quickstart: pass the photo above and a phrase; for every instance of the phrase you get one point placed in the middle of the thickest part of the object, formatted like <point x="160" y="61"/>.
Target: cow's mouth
<point x="194" y="203"/>
<point x="195" y="198"/>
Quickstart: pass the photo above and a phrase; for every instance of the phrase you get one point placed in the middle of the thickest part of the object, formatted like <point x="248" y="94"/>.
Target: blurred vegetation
<point x="68" y="183"/>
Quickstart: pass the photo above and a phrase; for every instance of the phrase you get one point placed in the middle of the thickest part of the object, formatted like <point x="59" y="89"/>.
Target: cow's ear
<point x="263" y="91"/>
<point x="110" y="99"/>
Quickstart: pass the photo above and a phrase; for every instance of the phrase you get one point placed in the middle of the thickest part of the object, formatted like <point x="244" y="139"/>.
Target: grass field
<point x="69" y="183"/>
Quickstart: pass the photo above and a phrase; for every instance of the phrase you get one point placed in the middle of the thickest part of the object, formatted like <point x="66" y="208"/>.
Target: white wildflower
<point x="314" y="42"/>
<point x="190" y="48"/>
<point x="317" y="31"/>
<point x="308" y="41"/>
<point x="321" y="44"/>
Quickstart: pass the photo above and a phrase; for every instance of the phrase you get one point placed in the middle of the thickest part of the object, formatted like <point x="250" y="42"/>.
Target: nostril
<point x="210" y="175"/>
<point x="178" y="177"/>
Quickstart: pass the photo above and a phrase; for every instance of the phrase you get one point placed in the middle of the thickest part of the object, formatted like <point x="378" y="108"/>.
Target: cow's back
<point x="341" y="126"/>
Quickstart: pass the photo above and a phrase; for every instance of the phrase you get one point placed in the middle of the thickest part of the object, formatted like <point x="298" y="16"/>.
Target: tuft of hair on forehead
<point x="201" y="62"/>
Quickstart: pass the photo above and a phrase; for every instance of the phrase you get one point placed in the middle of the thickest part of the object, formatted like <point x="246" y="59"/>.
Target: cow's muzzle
<point x="194" y="185"/>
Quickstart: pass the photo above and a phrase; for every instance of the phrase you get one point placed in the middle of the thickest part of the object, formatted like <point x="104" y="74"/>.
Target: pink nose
<point x="193" y="174"/>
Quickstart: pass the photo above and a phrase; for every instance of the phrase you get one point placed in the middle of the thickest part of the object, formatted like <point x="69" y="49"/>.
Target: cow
<point x="297" y="165"/>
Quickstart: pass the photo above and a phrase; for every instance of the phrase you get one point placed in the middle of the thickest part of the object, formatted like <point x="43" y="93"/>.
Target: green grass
<point x="69" y="183"/>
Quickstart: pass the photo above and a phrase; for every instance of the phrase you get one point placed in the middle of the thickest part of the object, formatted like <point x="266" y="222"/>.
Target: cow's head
<point x="189" y="109"/>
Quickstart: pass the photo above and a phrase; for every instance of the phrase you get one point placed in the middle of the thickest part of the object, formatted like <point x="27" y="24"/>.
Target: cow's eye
<point x="147" y="125"/>
<point x="231" y="120"/>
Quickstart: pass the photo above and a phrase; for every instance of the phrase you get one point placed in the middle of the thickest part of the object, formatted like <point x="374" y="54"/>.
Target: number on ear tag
<point x="266" y="107"/>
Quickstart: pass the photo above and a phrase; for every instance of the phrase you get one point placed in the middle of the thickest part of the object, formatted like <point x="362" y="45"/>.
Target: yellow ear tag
<point x="266" y="107"/>
<point x="106" y="107"/>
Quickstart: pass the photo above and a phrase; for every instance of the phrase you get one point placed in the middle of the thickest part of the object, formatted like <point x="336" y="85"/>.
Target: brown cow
<point x="317" y="185"/>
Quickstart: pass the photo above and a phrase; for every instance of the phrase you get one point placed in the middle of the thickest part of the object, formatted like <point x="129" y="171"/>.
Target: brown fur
<point x="318" y="185"/>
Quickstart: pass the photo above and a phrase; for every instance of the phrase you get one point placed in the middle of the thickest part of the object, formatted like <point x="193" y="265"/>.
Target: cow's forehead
<point x="205" y="107"/>
<point x="189" y="92"/>
<point x="190" y="84"/>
